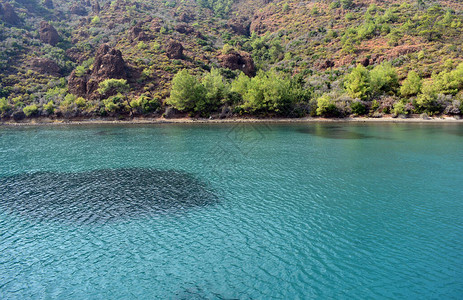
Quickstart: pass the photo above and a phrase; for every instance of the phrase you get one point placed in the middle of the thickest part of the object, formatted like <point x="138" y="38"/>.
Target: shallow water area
<point x="232" y="211"/>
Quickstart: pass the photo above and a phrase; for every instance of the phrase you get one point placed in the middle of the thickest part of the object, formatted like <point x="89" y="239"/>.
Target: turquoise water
<point x="245" y="211"/>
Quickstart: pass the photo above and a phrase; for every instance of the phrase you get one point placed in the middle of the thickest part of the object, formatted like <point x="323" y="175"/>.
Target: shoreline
<point x="135" y="121"/>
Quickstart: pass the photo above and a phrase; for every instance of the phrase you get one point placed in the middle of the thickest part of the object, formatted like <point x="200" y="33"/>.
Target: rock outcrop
<point x="138" y="33"/>
<point x="183" y="28"/>
<point x="327" y="64"/>
<point x="78" y="10"/>
<point x="48" y="34"/>
<point x="46" y="66"/>
<point x="238" y="61"/>
<point x="365" y="62"/>
<point x="48" y="4"/>
<point x="174" y="50"/>
<point x="96" y="7"/>
<point x="9" y="15"/>
<point x="108" y="64"/>
<point x="239" y="26"/>
<point x="186" y="17"/>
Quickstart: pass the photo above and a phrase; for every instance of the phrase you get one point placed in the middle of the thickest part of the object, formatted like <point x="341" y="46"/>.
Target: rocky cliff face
<point x="8" y="14"/>
<point x="174" y="50"/>
<point x="48" y="34"/>
<point x="238" y="61"/>
<point x="108" y="64"/>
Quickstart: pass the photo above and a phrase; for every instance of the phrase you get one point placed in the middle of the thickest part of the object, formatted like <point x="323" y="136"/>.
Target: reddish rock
<point x="46" y="66"/>
<point x="182" y="28"/>
<point x="108" y="64"/>
<point x="174" y="50"/>
<point x="155" y="25"/>
<point x="137" y="32"/>
<point x="365" y="62"/>
<point x="78" y="10"/>
<point x="239" y="26"/>
<point x="239" y="61"/>
<point x="48" y="34"/>
<point x="327" y="64"/>
<point x="186" y="17"/>
<point x="9" y="15"/>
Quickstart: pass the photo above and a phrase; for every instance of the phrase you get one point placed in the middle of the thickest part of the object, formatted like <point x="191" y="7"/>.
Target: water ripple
<point x="102" y="195"/>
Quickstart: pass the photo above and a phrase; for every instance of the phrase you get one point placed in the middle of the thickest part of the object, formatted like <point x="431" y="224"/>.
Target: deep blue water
<point x="244" y="211"/>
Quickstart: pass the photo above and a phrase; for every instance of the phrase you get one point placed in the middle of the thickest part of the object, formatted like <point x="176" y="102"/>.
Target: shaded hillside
<point x="53" y="63"/>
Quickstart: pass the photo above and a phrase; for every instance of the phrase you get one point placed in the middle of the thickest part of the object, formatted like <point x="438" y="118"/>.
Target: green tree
<point x="326" y="107"/>
<point x="216" y="92"/>
<point x="268" y="92"/>
<point x="384" y="79"/>
<point x="4" y="105"/>
<point x="411" y="86"/>
<point x="346" y="4"/>
<point x="31" y="110"/>
<point x="357" y="83"/>
<point x="186" y="91"/>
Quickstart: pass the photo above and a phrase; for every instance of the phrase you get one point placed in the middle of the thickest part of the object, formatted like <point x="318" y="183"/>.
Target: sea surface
<point x="232" y="211"/>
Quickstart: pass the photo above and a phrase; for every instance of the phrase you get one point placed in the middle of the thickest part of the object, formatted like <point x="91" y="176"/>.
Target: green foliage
<point x="269" y="92"/>
<point x="357" y="83"/>
<point x="95" y="20"/>
<point x="399" y="108"/>
<point x="411" y="85"/>
<point x="216" y="91"/>
<point x="186" y="91"/>
<point x="346" y="4"/>
<point x="145" y="103"/>
<point x="427" y="100"/>
<point x="115" y="85"/>
<point x="384" y="80"/>
<point x="4" y="105"/>
<point x="49" y="107"/>
<point x="142" y="46"/>
<point x="31" y="110"/>
<point x="335" y="4"/>
<point x="286" y="7"/>
<point x="358" y="108"/>
<point x="326" y="107"/>
<point x="220" y="7"/>
<point x="80" y="71"/>
<point x="115" y="103"/>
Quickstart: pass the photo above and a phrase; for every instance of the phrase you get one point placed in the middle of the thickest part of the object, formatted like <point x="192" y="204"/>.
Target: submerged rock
<point x="103" y="195"/>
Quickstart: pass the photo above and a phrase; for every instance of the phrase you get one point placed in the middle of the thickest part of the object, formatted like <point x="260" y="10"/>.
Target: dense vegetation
<point x="326" y="57"/>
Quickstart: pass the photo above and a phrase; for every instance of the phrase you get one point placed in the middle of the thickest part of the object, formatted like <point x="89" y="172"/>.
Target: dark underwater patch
<point x="333" y="132"/>
<point x="103" y="195"/>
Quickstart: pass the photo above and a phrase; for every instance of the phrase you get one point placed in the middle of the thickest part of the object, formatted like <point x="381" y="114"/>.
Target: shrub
<point x="358" y="108"/>
<point x="30" y="110"/>
<point x="357" y="83"/>
<point x="113" y="85"/>
<point x="411" y="85"/>
<point x="4" y="105"/>
<point x="49" y="107"/>
<point x="186" y="91"/>
<point x="326" y="107"/>
<point x="384" y="79"/>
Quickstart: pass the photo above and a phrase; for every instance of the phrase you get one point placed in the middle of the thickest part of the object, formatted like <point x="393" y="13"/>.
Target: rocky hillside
<point x="85" y="58"/>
